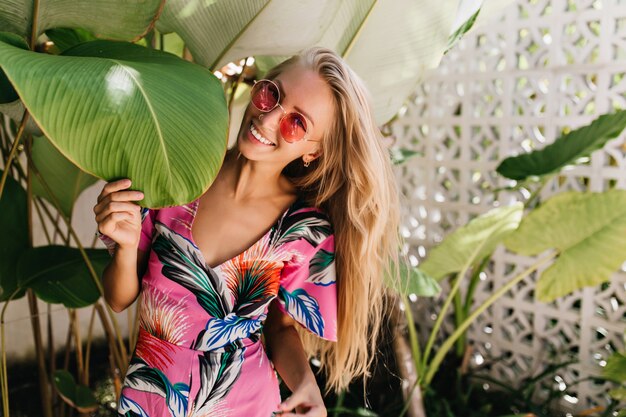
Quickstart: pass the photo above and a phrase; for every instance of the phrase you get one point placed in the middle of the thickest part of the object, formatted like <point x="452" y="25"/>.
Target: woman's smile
<point x="255" y="137"/>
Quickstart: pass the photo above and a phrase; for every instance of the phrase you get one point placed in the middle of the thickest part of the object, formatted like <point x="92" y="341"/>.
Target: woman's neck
<point x="246" y="179"/>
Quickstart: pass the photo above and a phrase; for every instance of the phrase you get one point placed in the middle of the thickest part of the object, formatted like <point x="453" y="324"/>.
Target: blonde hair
<point x="352" y="180"/>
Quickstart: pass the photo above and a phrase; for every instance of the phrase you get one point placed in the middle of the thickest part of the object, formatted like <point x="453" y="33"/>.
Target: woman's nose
<point x="271" y="118"/>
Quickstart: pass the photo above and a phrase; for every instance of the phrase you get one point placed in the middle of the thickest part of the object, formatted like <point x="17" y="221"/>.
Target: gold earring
<point x="261" y="116"/>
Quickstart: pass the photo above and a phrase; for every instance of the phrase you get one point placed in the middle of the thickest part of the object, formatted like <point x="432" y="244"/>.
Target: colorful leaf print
<point x="163" y="316"/>
<point x="142" y="377"/>
<point x="254" y="284"/>
<point x="319" y="268"/>
<point x="153" y="351"/>
<point x="313" y="226"/>
<point x="130" y="408"/>
<point x="218" y="373"/>
<point x="199" y="325"/>
<point x="303" y="308"/>
<point x="181" y="264"/>
<point x="222" y="332"/>
<point x="253" y="275"/>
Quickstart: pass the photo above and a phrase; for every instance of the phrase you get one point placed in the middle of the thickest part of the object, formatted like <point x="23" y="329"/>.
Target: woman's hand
<point x="117" y="216"/>
<point x="306" y="399"/>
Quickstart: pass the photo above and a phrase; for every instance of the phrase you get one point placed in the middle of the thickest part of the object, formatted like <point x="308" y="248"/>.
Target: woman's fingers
<point x="114" y="218"/>
<point x="116" y="196"/>
<point x="113" y="186"/>
<point x="117" y="206"/>
<point x="313" y="411"/>
<point x="302" y="408"/>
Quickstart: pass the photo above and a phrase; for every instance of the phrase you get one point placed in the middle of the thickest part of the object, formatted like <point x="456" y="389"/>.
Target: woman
<point x="309" y="161"/>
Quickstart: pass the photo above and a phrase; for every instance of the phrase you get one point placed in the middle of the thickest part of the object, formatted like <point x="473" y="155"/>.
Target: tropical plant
<point x="580" y="235"/>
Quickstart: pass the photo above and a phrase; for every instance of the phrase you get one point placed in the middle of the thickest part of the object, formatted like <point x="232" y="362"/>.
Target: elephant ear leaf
<point x="459" y="247"/>
<point x="59" y="274"/>
<point x="77" y="395"/>
<point x="566" y="150"/>
<point x="588" y="231"/>
<point x="120" y="110"/>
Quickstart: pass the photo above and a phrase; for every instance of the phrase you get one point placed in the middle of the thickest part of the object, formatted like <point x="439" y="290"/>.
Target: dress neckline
<point x="201" y="255"/>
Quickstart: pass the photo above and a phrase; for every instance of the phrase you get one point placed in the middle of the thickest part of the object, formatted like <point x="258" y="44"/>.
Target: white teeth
<point x="257" y="135"/>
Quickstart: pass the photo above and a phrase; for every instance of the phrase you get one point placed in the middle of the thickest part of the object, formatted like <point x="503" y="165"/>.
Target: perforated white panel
<point x="508" y="87"/>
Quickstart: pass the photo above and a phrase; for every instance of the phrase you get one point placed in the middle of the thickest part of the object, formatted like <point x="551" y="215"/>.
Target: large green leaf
<point x="566" y="149"/>
<point x="589" y="232"/>
<point x="78" y="396"/>
<point x="14" y="229"/>
<point x="113" y="19"/>
<point x="64" y="178"/>
<point x="10" y="104"/>
<point x="456" y="250"/>
<point x="390" y="44"/>
<point x="58" y="274"/>
<point x="120" y="110"/>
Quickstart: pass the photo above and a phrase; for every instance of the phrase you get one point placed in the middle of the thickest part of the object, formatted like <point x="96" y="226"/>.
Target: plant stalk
<point x="7" y="164"/>
<point x="446" y="304"/>
<point x="447" y="344"/>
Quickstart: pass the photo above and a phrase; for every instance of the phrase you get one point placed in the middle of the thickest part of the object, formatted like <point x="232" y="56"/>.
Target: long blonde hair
<point x="354" y="183"/>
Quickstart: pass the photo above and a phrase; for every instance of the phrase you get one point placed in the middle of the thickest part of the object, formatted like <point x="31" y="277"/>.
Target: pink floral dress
<point x="199" y="351"/>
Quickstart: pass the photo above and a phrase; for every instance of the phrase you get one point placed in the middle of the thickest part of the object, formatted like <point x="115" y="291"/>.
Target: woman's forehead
<point x="305" y="89"/>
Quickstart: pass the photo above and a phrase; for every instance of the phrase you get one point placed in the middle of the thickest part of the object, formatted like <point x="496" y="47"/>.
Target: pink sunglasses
<point x="265" y="96"/>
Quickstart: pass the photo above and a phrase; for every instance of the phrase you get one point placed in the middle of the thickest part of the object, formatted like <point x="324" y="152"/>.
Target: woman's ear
<point x="316" y="154"/>
<point x="310" y="156"/>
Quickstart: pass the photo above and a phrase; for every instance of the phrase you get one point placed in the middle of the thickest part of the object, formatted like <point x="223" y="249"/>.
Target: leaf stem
<point x="441" y="316"/>
<point x="7" y="164"/>
<point x="445" y="347"/>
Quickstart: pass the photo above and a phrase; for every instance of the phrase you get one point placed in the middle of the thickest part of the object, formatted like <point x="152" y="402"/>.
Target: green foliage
<point x="65" y="38"/>
<point x="58" y="274"/>
<point x="414" y="281"/>
<point x="401" y="155"/>
<point x="65" y="179"/>
<point x="615" y="368"/>
<point x="114" y="19"/>
<point x="78" y="396"/>
<point x="14" y="227"/>
<point x="565" y="150"/>
<point x="587" y="230"/>
<point x="458" y="34"/>
<point x="459" y="247"/>
<point x="168" y="137"/>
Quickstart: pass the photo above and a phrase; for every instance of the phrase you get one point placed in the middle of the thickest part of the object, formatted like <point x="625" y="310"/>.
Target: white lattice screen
<point x="510" y="86"/>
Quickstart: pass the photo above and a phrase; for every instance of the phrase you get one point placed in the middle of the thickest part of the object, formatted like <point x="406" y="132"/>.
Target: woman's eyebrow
<point x="282" y="91"/>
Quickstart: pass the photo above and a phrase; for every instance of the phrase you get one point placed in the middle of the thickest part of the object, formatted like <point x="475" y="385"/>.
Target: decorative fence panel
<point x="538" y="70"/>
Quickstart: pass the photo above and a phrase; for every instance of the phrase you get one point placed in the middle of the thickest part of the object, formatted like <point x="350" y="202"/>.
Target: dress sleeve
<point x="147" y="231"/>
<point x="308" y="290"/>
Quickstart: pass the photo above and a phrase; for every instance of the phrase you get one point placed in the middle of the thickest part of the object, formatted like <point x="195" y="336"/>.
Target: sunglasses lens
<point x="264" y="95"/>
<point x="293" y="127"/>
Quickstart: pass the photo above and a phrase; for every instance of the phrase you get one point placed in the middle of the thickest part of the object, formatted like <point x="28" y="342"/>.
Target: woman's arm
<point x="285" y="350"/>
<point x="120" y="277"/>
<point x="122" y="224"/>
